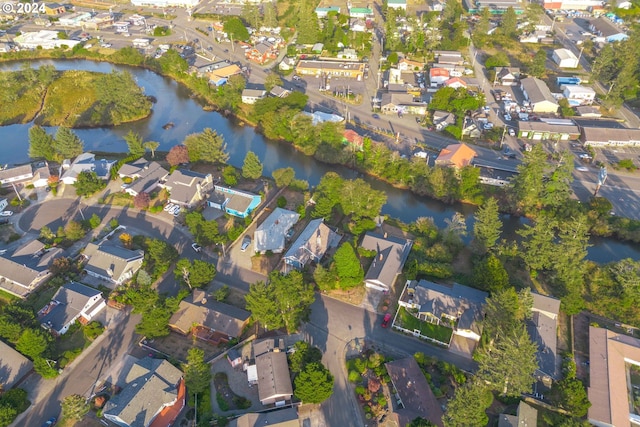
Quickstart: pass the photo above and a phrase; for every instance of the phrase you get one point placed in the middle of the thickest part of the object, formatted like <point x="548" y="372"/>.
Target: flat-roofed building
<point x="354" y="70"/>
<point x="610" y="136"/>
<point x="539" y="130"/>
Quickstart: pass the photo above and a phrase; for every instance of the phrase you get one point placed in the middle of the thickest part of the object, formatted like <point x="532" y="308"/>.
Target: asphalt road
<point x="81" y="377"/>
<point x="332" y="325"/>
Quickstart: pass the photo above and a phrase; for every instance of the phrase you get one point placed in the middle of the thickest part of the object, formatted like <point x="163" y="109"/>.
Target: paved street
<point x="332" y="325"/>
<point x="82" y="374"/>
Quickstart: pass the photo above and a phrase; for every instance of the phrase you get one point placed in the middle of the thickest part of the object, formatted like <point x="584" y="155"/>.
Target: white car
<point x="175" y="211"/>
<point x="169" y="207"/>
<point x="512" y="132"/>
<point x="6" y="213"/>
<point x="582" y="169"/>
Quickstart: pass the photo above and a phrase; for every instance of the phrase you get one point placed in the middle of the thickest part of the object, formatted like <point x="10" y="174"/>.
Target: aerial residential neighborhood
<point x="395" y="213"/>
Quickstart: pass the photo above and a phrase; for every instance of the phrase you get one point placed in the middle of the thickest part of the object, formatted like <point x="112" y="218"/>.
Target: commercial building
<point x="354" y="70"/>
<point x="166" y="3"/>
<point x="565" y="58"/>
<point x="610" y="136"/>
<point x="495" y="7"/>
<point x="571" y="4"/>
<point x="606" y="31"/>
<point x="539" y="130"/>
<point x="44" y="39"/>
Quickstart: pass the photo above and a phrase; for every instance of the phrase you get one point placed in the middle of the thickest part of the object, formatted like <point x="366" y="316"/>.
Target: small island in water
<point x="77" y="99"/>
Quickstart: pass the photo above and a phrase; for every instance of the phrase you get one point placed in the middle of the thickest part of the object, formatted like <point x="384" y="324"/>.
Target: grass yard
<point x="41" y="297"/>
<point x="6" y="298"/>
<point x="437" y="332"/>
<point x="119" y="199"/>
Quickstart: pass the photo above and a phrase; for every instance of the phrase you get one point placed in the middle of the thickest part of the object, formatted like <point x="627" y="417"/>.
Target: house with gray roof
<point x="187" y="188"/>
<point x="16" y="175"/>
<point x="610" y="136"/>
<point x="85" y="162"/>
<point x="27" y="267"/>
<point x="286" y="417"/>
<point x="279" y="92"/>
<point x="606" y="31"/>
<point x="390" y="255"/>
<point x="311" y="245"/>
<point x="274" y="379"/>
<point x="147" y="179"/>
<point x="113" y="264"/>
<point x="14" y="367"/>
<point x="414" y="396"/>
<point x="543" y="329"/>
<point x="72" y="302"/>
<point x="154" y="395"/>
<point x="250" y="96"/>
<point x="527" y="416"/>
<point x="208" y="319"/>
<point x="271" y="234"/>
<point x="537" y="93"/>
<point x="457" y="303"/>
<point x="134" y="169"/>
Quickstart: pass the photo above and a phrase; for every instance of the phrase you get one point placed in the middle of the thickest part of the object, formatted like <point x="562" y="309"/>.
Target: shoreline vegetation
<point x="279" y="119"/>
<point x="74" y="99"/>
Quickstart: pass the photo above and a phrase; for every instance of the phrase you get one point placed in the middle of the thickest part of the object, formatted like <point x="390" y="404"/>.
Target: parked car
<point x="245" y="243"/>
<point x="386" y="320"/>
<point x="50" y="422"/>
<point x="6" y="213"/>
<point x="512" y="132"/>
<point x="582" y="169"/>
<point x="196" y="247"/>
<point x="375" y="116"/>
<point x="169" y="207"/>
<point x="290" y="233"/>
<point x="176" y="211"/>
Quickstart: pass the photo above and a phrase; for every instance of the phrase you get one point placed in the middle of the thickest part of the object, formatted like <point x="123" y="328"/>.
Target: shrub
<point x="242" y="402"/>
<point x="360" y="390"/>
<point x="224" y="406"/>
<point x="282" y="202"/>
<point x="354" y="377"/>
<point x="382" y="401"/>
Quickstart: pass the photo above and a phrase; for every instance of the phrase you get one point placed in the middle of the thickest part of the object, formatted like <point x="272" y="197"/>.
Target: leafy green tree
<point x="271" y="81"/>
<point x="283" y="176"/>
<point x="178" y="154"/>
<point x="487" y="227"/>
<point x="88" y="183"/>
<point x="92" y="330"/>
<point x="155" y="322"/>
<point x="538" y="65"/>
<point x="134" y="143"/>
<point x="74" y="407"/>
<point x="10" y="329"/>
<point x="94" y="221"/>
<point x="489" y="274"/>
<point x="283" y="302"/>
<point x="7" y="414"/>
<point x="468" y="406"/>
<point x="74" y="230"/>
<point x="151" y="146"/>
<point x="40" y="143"/>
<point x="66" y="144"/>
<point x="500" y="59"/>
<point x="197" y="274"/>
<point x="161" y="253"/>
<point x="509" y="25"/>
<point x="421" y="422"/>
<point x="197" y="373"/>
<point x="484" y="24"/>
<point x="325" y="278"/>
<point x="207" y="146"/>
<point x="303" y="355"/>
<point x="508" y="366"/>
<point x="229" y="175"/>
<point x="348" y="267"/>
<point x="236" y="29"/>
<point x="327" y="195"/>
<point x="359" y="200"/>
<point x="171" y="63"/>
<point x="314" y="384"/>
<point x="251" y="168"/>
<point x="45" y="368"/>
<point x="222" y="293"/>
<point x="251" y="15"/>
<point x="572" y="243"/>
<point x="32" y="343"/>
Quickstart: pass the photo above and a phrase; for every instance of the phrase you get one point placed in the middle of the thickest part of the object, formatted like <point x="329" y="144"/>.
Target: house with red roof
<point x="437" y="76"/>
<point x="456" y="155"/>
<point x="353" y="139"/>
<point x="456" y="83"/>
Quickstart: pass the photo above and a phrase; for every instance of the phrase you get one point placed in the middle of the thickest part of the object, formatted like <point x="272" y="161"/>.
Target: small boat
<point x="168" y="126"/>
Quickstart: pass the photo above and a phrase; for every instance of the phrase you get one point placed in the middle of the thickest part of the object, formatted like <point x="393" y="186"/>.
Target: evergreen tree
<point x="487" y="227"/>
<point x="489" y="274"/>
<point x="283" y="176"/>
<point x="509" y="25"/>
<point x="236" y="29"/>
<point x="197" y="374"/>
<point x="74" y="407"/>
<point x="509" y="364"/>
<point x="468" y="406"/>
<point x="539" y="250"/>
<point x="207" y="146"/>
<point x="528" y="184"/>
<point x="314" y="384"/>
<point x="269" y="15"/>
<point x="134" y="143"/>
<point x="263" y="307"/>
<point x="67" y="144"/>
<point x="484" y="24"/>
<point x="32" y="343"/>
<point x="251" y="168"/>
<point x="40" y="143"/>
<point x="348" y="268"/>
<point x="88" y="183"/>
<point x="538" y="65"/>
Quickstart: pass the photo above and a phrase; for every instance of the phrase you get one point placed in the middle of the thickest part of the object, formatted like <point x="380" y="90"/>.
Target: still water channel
<point x="175" y="105"/>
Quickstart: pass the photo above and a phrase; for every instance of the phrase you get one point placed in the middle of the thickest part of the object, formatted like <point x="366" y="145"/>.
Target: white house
<point x="565" y="58"/>
<point x="85" y="162"/>
<point x="113" y="264"/>
<point x="579" y="95"/>
<point x="397" y="4"/>
<point x="73" y="301"/>
<point x="250" y="96"/>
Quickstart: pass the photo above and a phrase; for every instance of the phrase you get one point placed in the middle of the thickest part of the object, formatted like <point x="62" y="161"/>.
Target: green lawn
<point x="437" y="332"/>
<point x="40" y="298"/>
<point x="6" y="298"/>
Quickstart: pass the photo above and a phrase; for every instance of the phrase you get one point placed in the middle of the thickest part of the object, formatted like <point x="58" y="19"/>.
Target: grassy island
<point x="71" y="98"/>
